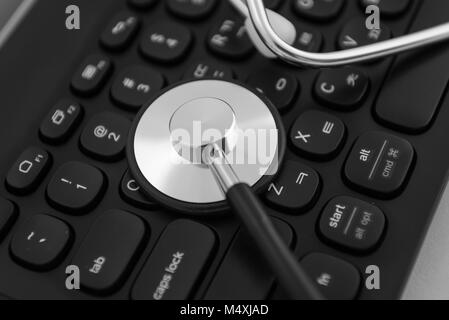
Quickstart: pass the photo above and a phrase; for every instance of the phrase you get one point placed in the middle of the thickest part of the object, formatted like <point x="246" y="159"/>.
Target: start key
<point x="352" y="223"/>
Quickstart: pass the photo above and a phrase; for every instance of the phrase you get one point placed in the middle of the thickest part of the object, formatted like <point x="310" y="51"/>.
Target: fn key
<point x="176" y="264"/>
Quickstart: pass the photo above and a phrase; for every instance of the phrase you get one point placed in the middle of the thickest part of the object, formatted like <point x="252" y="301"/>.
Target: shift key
<point x="176" y="264"/>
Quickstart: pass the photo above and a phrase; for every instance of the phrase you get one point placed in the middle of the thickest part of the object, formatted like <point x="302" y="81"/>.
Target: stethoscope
<point x="206" y="181"/>
<point x="273" y="35"/>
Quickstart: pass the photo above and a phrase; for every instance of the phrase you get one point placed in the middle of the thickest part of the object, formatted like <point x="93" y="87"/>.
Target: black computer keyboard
<point x="365" y="164"/>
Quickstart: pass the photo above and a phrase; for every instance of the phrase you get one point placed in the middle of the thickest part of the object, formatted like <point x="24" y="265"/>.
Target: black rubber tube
<point x="278" y="256"/>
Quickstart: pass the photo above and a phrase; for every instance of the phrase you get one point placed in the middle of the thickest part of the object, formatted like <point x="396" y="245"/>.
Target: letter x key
<point x="303" y="137"/>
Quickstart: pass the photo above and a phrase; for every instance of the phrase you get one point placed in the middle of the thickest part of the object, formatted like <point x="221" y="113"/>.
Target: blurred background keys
<point x="120" y="32"/>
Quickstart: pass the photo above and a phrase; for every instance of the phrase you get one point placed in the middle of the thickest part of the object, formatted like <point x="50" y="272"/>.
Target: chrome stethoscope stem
<point x="256" y="11"/>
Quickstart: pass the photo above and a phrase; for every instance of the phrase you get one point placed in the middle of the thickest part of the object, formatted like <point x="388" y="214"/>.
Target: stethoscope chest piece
<point x="169" y="135"/>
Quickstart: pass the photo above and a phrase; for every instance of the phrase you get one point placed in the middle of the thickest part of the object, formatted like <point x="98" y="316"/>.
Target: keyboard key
<point x="108" y="252"/>
<point x="131" y="192"/>
<point x="352" y="223"/>
<point x="388" y="8"/>
<point x="409" y="101"/>
<point x="319" y="10"/>
<point x="166" y="42"/>
<point x="343" y="88"/>
<point x="379" y="163"/>
<point x="135" y="86"/>
<point x="105" y="136"/>
<point x="355" y="34"/>
<point x="317" y="134"/>
<point x="296" y="189"/>
<point x="92" y="75"/>
<point x="41" y="242"/>
<point x="177" y="263"/>
<point x="120" y="31"/>
<point x="191" y="9"/>
<point x="208" y="69"/>
<point x="61" y="122"/>
<point x="308" y="39"/>
<point x="8" y="215"/>
<point x="142" y="4"/>
<point x="281" y="88"/>
<point x="230" y="40"/>
<point x="244" y="273"/>
<point x="75" y="187"/>
<point x="28" y="171"/>
<point x="337" y="279"/>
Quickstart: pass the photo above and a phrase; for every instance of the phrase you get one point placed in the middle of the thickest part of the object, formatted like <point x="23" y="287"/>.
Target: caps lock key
<point x="177" y="262"/>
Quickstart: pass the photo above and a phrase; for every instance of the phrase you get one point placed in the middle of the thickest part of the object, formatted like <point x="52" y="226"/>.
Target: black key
<point x="105" y="136"/>
<point x="308" y="39"/>
<point x="28" y="171"/>
<point x="142" y="4"/>
<point x="8" y="214"/>
<point x="176" y="264"/>
<point x="379" y="163"/>
<point x="92" y="75"/>
<point x="191" y="9"/>
<point x="343" y="88"/>
<point x="317" y="134"/>
<point x="412" y="94"/>
<point x="355" y="34"/>
<point x="208" y="69"/>
<point x="61" y="122"/>
<point x="244" y="273"/>
<point x="75" y="187"/>
<point x="120" y="31"/>
<point x="131" y="192"/>
<point x="281" y="88"/>
<point x="352" y="223"/>
<point x="166" y="42"/>
<point x="41" y="242"/>
<point x="295" y="189"/>
<point x="319" y="10"/>
<point x="388" y="8"/>
<point x="230" y="40"/>
<point x="337" y="279"/>
<point x="135" y="86"/>
<point x="108" y="252"/>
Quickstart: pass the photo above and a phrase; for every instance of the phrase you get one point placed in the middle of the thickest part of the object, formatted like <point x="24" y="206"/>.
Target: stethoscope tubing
<point x="256" y="11"/>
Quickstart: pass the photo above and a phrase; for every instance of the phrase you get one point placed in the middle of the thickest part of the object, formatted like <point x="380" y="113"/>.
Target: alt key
<point x="352" y="223"/>
<point x="379" y="164"/>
